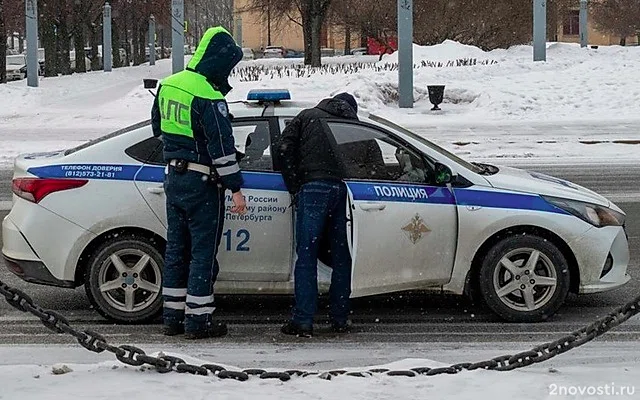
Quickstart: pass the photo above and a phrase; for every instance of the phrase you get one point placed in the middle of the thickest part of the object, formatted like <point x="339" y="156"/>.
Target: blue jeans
<point x="195" y="218"/>
<point x="321" y="207"/>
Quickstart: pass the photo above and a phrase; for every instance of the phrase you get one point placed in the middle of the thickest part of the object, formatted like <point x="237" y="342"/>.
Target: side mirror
<point x="443" y="174"/>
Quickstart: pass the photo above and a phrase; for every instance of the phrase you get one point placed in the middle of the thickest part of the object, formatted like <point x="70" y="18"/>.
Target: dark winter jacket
<point x="305" y="150"/>
<point x="190" y="111"/>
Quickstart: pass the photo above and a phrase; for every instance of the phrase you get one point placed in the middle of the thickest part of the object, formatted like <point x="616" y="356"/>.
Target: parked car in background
<point x="247" y="53"/>
<point x="359" y="51"/>
<point x="275" y="52"/>
<point x="16" y="67"/>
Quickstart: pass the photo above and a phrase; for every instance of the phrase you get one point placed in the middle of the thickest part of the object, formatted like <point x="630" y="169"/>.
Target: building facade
<point x="569" y="31"/>
<point x="258" y="30"/>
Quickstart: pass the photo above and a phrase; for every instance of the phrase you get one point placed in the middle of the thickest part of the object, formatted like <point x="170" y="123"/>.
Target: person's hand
<point x="239" y="203"/>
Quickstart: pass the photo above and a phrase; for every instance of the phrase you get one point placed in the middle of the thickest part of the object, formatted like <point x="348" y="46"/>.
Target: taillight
<point x="35" y="189"/>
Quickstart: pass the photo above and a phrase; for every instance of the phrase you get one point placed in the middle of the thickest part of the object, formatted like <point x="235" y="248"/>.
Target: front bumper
<point x="592" y="251"/>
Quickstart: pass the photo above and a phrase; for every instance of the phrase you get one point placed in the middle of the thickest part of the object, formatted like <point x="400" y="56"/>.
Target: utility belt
<point x="181" y="166"/>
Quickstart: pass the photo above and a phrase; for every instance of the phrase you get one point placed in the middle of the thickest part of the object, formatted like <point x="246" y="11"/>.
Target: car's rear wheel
<point x="524" y="278"/>
<point x="124" y="279"/>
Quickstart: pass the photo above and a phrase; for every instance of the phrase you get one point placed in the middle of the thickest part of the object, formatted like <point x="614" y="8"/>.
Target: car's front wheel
<point x="124" y="279"/>
<point x="524" y="278"/>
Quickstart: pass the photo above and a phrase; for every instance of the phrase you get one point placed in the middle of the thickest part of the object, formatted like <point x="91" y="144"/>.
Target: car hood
<point x="534" y="182"/>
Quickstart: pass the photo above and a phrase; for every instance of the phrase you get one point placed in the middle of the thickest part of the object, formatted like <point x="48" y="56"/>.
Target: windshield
<point x="427" y="143"/>
<point x="16" y="60"/>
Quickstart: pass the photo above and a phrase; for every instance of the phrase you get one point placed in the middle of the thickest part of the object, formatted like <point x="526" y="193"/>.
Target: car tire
<point x="128" y="268"/>
<point x="538" y="290"/>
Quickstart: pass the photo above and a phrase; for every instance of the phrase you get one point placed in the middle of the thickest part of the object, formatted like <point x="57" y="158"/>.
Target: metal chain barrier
<point x="134" y="356"/>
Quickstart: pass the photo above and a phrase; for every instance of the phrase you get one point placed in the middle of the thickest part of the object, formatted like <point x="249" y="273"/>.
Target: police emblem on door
<point x="416" y="229"/>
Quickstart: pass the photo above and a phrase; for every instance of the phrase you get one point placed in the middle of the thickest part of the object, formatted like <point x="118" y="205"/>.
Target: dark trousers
<point x="195" y="217"/>
<point x="321" y="206"/>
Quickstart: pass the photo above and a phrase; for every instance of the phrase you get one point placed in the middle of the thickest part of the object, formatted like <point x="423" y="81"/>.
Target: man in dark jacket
<point x="313" y="175"/>
<point x="190" y="113"/>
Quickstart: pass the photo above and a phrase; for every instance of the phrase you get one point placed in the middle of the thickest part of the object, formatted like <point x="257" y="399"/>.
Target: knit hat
<point x="349" y="99"/>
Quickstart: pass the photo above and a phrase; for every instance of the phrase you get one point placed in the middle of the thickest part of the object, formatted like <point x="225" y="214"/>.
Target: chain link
<point x="135" y="356"/>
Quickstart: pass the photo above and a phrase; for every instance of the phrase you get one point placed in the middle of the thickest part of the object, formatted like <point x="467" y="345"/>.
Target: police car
<point x="94" y="215"/>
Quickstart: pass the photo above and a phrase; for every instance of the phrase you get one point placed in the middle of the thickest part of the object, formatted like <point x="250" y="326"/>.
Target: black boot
<point x="291" y="328"/>
<point x="218" y="329"/>
<point x="173" y="329"/>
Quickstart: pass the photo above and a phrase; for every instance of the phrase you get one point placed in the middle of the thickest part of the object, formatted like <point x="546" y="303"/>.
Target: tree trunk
<point x="64" y="45"/>
<point x="3" y="46"/>
<point x="78" y="42"/>
<point x="162" y="50"/>
<point x="623" y="41"/>
<point x="347" y="39"/>
<point x="115" y="43"/>
<point x="21" y="44"/>
<point x="306" y="33"/>
<point x="316" y="31"/>
<point x="93" y="43"/>
<point x="48" y="36"/>
<point x="142" y="43"/>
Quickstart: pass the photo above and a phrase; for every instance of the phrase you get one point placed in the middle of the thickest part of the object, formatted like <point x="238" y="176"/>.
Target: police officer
<point x="190" y="113"/>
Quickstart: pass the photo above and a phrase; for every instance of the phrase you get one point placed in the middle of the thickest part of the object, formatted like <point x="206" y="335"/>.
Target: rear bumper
<point x="34" y="272"/>
<point x="21" y="259"/>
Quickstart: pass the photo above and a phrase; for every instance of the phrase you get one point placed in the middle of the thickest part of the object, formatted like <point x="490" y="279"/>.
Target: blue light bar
<point x="269" y="95"/>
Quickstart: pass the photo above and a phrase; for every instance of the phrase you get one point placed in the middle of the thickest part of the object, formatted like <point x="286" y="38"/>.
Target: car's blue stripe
<point x="365" y="191"/>
<point x="492" y="199"/>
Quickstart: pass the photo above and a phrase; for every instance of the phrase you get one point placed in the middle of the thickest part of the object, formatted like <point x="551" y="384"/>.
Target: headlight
<point x="594" y="214"/>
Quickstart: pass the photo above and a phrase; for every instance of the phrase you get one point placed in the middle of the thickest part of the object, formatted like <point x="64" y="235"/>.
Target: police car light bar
<point x="274" y="95"/>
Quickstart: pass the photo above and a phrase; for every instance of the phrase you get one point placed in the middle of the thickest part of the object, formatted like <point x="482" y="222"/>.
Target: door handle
<point x="156" y="189"/>
<point x="373" y="206"/>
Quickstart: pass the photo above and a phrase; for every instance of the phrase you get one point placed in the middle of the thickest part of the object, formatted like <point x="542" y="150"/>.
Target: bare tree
<point x="617" y="17"/>
<point x="309" y="14"/>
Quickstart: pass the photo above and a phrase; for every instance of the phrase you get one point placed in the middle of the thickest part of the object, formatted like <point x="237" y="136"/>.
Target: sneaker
<point x="173" y="330"/>
<point x="294" y="329"/>
<point x="216" y="330"/>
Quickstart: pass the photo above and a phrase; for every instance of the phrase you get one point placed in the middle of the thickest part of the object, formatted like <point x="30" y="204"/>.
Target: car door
<point x="403" y="228"/>
<point x="256" y="246"/>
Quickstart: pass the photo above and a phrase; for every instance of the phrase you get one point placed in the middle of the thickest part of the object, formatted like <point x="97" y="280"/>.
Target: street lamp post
<point x="405" y="53"/>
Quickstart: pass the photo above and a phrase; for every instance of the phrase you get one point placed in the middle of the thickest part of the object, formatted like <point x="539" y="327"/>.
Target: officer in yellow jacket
<point x="190" y="113"/>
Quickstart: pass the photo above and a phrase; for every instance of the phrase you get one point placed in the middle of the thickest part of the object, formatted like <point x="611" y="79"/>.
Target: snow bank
<point x="96" y="381"/>
<point x="501" y="86"/>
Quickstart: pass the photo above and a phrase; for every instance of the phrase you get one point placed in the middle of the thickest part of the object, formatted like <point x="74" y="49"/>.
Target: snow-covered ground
<point x="580" y="103"/>
<point x="27" y="373"/>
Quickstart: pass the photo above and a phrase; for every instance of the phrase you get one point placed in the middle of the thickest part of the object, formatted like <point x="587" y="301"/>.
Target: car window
<point x="252" y="138"/>
<point x="369" y="154"/>
<point x="147" y="151"/>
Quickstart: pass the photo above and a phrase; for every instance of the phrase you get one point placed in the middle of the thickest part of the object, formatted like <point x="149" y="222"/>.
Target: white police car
<point x="419" y="218"/>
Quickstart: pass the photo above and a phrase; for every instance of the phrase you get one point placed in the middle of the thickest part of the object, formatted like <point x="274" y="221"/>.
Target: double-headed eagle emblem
<point x="415" y="229"/>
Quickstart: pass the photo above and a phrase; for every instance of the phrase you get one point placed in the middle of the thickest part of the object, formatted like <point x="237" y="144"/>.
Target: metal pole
<point x="238" y="30"/>
<point x="31" y="12"/>
<point x="152" y="40"/>
<point x="405" y="53"/>
<point x="177" y="35"/>
<point x="539" y="30"/>
<point x="106" y="38"/>
<point x="584" y="40"/>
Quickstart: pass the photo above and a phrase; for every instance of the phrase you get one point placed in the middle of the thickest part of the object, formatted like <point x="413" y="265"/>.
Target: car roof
<point x="285" y="108"/>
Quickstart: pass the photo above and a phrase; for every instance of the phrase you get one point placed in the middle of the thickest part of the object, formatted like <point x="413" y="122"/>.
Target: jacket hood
<point x="217" y="54"/>
<point x="337" y="107"/>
